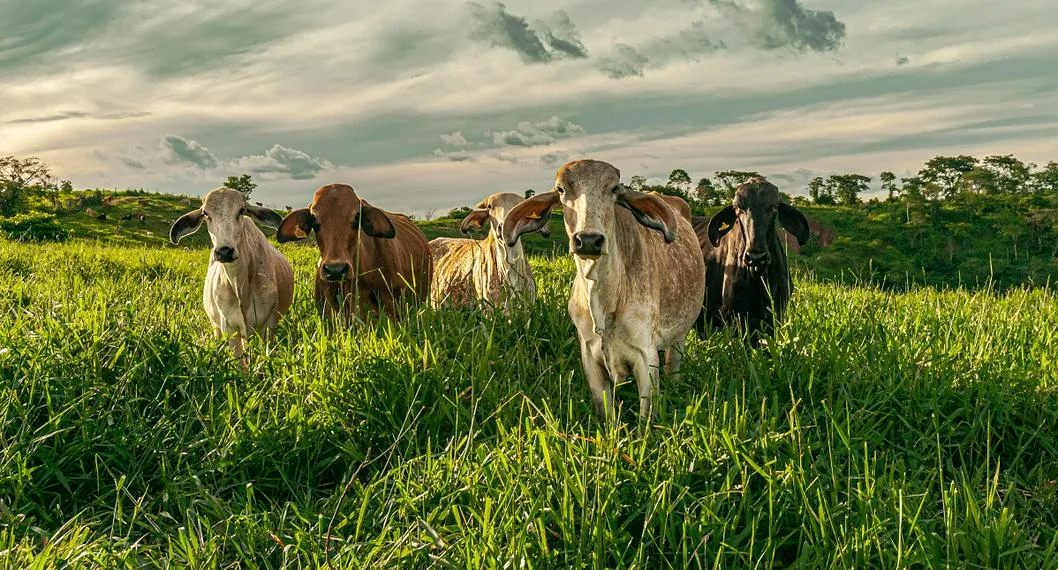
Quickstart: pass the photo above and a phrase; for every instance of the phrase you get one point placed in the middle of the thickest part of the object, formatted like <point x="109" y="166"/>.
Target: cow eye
<point x="242" y="212"/>
<point x="615" y="189"/>
<point x="560" y="189"/>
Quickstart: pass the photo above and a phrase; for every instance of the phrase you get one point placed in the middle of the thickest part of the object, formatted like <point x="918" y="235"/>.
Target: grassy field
<point x="914" y="430"/>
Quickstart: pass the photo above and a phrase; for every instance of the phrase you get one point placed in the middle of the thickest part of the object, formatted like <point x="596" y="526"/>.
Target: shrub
<point x="35" y="226"/>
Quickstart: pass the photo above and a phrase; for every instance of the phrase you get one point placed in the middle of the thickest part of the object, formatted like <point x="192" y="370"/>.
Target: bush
<point x="34" y="226"/>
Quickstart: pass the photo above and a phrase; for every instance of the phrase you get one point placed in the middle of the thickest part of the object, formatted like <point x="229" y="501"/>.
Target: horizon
<point x="487" y="97"/>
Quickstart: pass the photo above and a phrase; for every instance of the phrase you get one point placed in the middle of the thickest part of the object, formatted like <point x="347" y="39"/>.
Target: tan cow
<point x="370" y="260"/>
<point x="640" y="276"/>
<point x="467" y="270"/>
<point x="249" y="284"/>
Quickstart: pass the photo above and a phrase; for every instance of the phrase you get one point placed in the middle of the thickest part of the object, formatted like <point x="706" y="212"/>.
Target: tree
<point x="945" y="172"/>
<point x="706" y="193"/>
<point x="460" y="212"/>
<point x="680" y="180"/>
<point x="1046" y="179"/>
<point x="637" y="183"/>
<point x="981" y="181"/>
<point x="18" y="175"/>
<point x="848" y="187"/>
<point x="429" y="213"/>
<point x="888" y="180"/>
<point x="821" y="192"/>
<point x="529" y="193"/>
<point x="731" y="179"/>
<point x="244" y="184"/>
<point x="1009" y="174"/>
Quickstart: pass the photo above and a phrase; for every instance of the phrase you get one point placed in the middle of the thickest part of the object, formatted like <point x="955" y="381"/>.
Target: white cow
<point x="249" y="284"/>
<point x="640" y="276"/>
<point x="468" y="270"/>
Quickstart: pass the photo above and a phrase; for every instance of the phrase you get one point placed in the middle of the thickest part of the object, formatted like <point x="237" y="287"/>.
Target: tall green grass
<point x="915" y="430"/>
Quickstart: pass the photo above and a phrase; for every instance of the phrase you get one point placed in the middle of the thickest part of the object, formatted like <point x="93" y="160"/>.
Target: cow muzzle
<point x="587" y="244"/>
<point x="335" y="271"/>
<point x="225" y="254"/>
<point x="756" y="260"/>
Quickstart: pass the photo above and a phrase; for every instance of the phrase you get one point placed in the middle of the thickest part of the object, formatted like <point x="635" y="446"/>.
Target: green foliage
<point x="18" y="175"/>
<point x="244" y="184"/>
<point x="876" y="430"/>
<point x="34" y="226"/>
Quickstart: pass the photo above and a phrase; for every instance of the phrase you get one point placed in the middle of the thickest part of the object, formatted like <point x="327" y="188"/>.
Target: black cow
<point x="747" y="278"/>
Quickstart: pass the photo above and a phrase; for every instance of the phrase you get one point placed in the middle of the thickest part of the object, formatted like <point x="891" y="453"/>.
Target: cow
<point x="102" y="217"/>
<point x="126" y="217"/>
<point x="467" y="270"/>
<point x="639" y="278"/>
<point x="142" y="217"/>
<point x="748" y="280"/>
<point x="249" y="284"/>
<point x="90" y="212"/>
<point x="370" y="259"/>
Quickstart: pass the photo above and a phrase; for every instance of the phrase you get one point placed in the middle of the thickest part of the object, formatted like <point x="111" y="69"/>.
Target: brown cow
<point x="369" y="259"/>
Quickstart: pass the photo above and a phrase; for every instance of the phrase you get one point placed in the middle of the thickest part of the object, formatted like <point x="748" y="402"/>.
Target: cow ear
<point x="720" y="224"/>
<point x="296" y="225"/>
<point x="374" y="222"/>
<point x="186" y="224"/>
<point x="528" y="216"/>
<point x="266" y="216"/>
<point x="794" y="221"/>
<point x="649" y="210"/>
<point x="475" y="220"/>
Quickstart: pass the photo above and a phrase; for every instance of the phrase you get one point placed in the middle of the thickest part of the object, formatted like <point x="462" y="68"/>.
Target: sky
<point x="427" y="105"/>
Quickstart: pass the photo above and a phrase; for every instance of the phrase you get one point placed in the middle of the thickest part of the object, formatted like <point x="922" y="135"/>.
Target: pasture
<point x="878" y="429"/>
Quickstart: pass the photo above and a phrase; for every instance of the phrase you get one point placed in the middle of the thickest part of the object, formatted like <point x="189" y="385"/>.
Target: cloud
<point x="189" y="152"/>
<point x="506" y="157"/>
<point x="281" y="160"/>
<point x="458" y="156"/>
<point x="623" y="61"/>
<point x="688" y="44"/>
<point x="562" y="36"/>
<point x="902" y="60"/>
<point x="537" y="134"/>
<point x="454" y="139"/>
<point x="550" y="40"/>
<point x="66" y="115"/>
<point x="774" y="24"/>
<point x="554" y="157"/>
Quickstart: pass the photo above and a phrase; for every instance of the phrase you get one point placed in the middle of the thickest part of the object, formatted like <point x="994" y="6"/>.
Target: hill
<point x="968" y="240"/>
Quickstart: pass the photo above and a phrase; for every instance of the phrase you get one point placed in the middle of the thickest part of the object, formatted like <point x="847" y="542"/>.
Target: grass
<point x="913" y="430"/>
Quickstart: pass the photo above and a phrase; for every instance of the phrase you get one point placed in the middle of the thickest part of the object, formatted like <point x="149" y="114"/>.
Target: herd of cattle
<point x="646" y="270"/>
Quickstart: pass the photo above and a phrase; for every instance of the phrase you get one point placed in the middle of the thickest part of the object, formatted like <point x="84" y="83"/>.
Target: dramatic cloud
<point x="537" y="134"/>
<point x="283" y="161"/>
<point x="67" y="115"/>
<point x="459" y="156"/>
<point x="554" y="158"/>
<point x="555" y="38"/>
<point x="559" y="32"/>
<point x="774" y="24"/>
<point x="189" y="152"/>
<point x="507" y="157"/>
<point x="623" y="61"/>
<point x="454" y="139"/>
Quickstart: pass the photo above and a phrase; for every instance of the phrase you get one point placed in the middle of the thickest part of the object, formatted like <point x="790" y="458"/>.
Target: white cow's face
<point x="224" y="211"/>
<point x="589" y="191"/>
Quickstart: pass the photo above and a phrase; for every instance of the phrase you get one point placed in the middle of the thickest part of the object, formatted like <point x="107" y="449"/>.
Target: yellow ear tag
<point x="300" y="233"/>
<point x="725" y="226"/>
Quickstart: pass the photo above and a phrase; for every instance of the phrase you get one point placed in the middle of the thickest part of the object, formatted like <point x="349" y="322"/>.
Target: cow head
<point x="338" y="216"/>
<point x="754" y="210"/>
<point x="494" y="210"/>
<point x="224" y="211"/>
<point x="590" y="192"/>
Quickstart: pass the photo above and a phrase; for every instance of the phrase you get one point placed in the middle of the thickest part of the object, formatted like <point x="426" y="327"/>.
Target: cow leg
<point x="674" y="358"/>
<point x="598" y="379"/>
<point x="645" y="366"/>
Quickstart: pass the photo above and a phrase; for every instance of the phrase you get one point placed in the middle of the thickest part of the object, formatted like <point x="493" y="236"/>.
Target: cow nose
<point x="756" y="258"/>
<point x="224" y="254"/>
<point x="335" y="271"/>
<point x="588" y="244"/>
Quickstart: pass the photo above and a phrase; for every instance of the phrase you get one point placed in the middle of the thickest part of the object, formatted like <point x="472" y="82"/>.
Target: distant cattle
<point x="639" y="276"/>
<point x="748" y="280"/>
<point x="102" y="217"/>
<point x="249" y="284"/>
<point x="126" y="217"/>
<point x="90" y="212"/>
<point x="259" y="204"/>
<point x="185" y="201"/>
<point x="467" y="270"/>
<point x="370" y="260"/>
